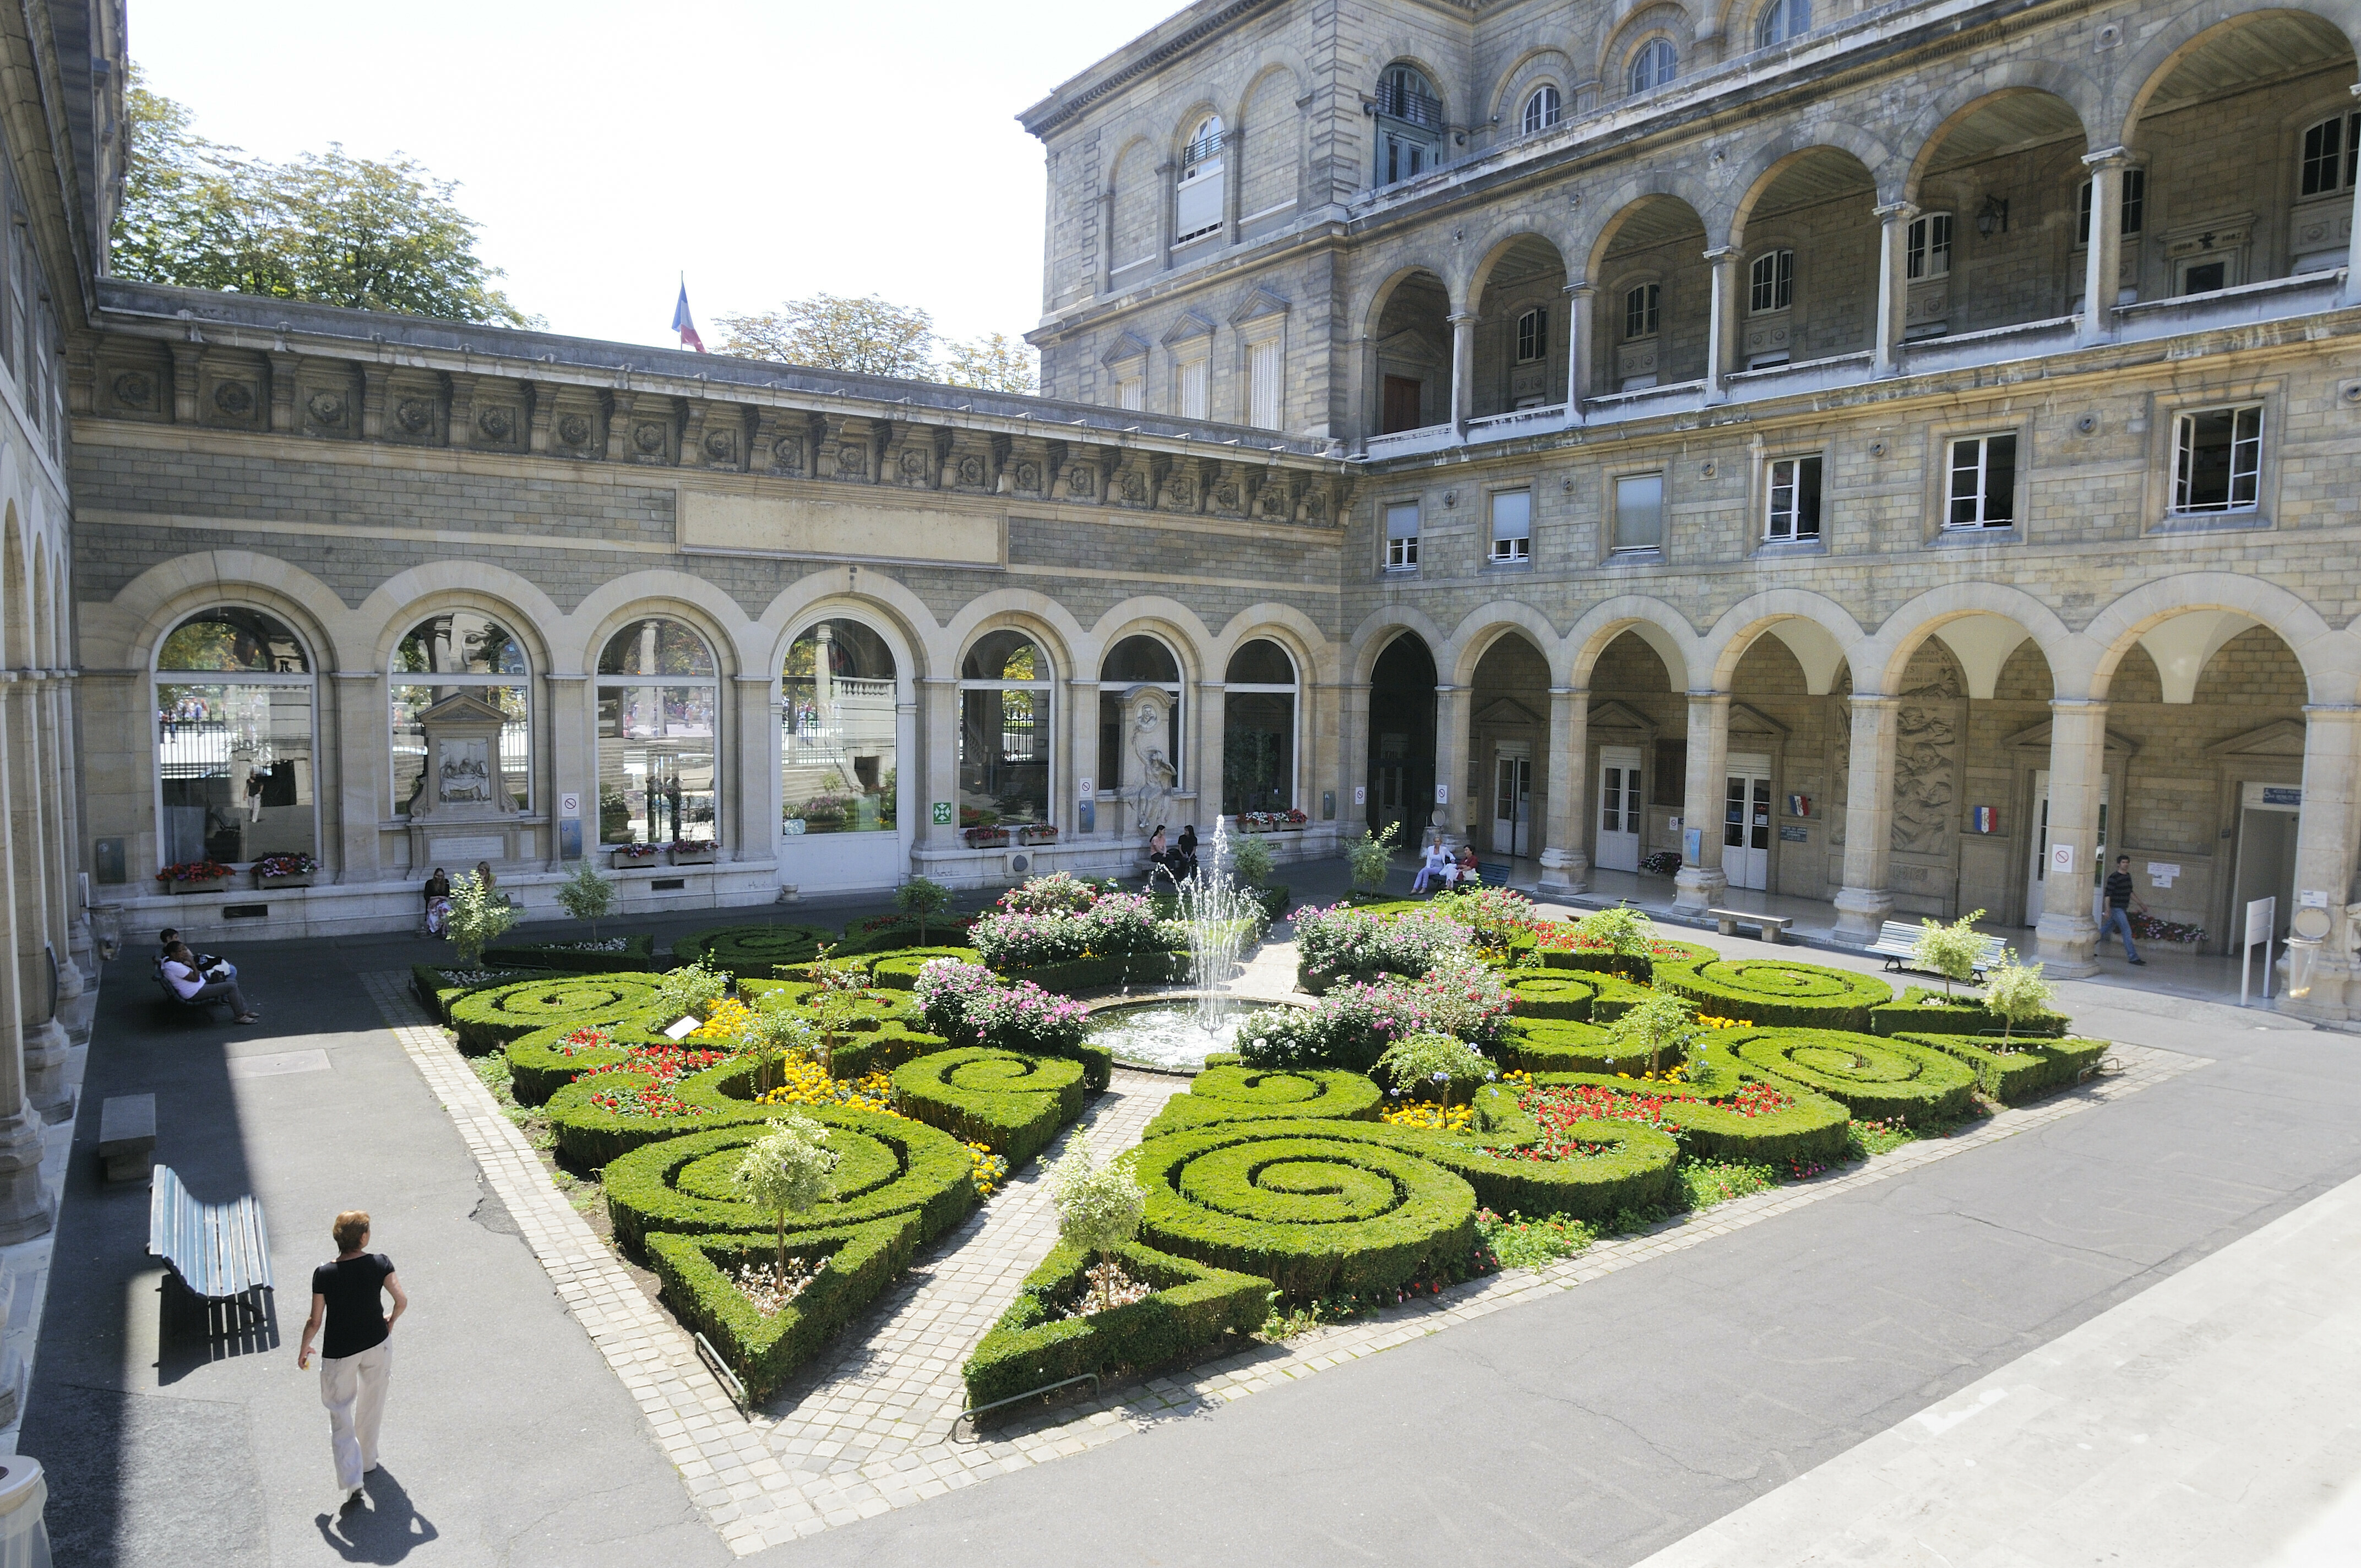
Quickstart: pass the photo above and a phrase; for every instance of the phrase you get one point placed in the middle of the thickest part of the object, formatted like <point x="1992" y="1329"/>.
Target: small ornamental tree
<point x="776" y="1032"/>
<point x="478" y="917"/>
<point x="1099" y="1206"/>
<point x="923" y="900"/>
<point x="692" y="989"/>
<point x="1626" y="932"/>
<point x="786" y="1171"/>
<point x="1250" y="856"/>
<point x="1950" y="951"/>
<point x="2017" y="993"/>
<point x="586" y="895"/>
<point x="840" y="999"/>
<point x="1662" y="1023"/>
<point x="1445" y="1063"/>
<point x="1368" y="857"/>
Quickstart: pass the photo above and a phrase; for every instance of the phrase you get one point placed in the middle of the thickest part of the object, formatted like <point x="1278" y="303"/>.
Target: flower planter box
<point x="692" y="857"/>
<point x="623" y="862"/>
<point x="201" y="885"/>
<point x="298" y="878"/>
<point x="986" y="838"/>
<point x="1037" y="835"/>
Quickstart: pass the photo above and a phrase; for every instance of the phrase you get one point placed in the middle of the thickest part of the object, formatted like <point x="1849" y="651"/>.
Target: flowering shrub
<point x="1496" y="914"/>
<point x="1353" y="1024"/>
<point x="692" y="989"/>
<point x="1111" y="925"/>
<point x="1027" y="941"/>
<point x="1060" y="892"/>
<point x="970" y="1006"/>
<point x="1342" y="939"/>
<point x="297" y="864"/>
<point x="193" y="871"/>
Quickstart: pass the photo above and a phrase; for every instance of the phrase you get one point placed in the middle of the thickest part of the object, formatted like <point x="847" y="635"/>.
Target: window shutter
<point x="1262" y="385"/>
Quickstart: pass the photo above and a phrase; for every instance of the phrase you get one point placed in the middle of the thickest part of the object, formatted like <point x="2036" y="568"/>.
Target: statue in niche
<point x="1150" y="777"/>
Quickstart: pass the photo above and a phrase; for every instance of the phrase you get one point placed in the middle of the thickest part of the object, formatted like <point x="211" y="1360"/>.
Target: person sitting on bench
<point x="207" y="963"/>
<point x="1434" y="871"/>
<point x="190" y="984"/>
<point x="1463" y="870"/>
<point x="1182" y="861"/>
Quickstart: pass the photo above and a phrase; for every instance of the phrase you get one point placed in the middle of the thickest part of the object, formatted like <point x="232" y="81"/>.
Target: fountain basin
<point x="1171" y="1033"/>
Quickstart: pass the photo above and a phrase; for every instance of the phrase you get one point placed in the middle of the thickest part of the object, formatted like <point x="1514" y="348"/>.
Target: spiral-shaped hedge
<point x="540" y="1063"/>
<point x="1634" y="1168"/>
<point x="488" y="1020"/>
<point x="1706" y="1110"/>
<point x="890" y="1165"/>
<point x="1596" y="997"/>
<point x="591" y="1134"/>
<point x="1233" y="1093"/>
<point x="750" y="951"/>
<point x="1872" y="1076"/>
<point x="1777" y="992"/>
<point x="1314" y="1207"/>
<point x="1556" y="1045"/>
<point x="2022" y="1068"/>
<point x="1662" y="951"/>
<point x="899" y="971"/>
<point x="1010" y="1102"/>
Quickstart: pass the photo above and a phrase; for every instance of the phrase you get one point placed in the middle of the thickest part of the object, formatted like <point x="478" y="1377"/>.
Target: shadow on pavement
<point x="378" y="1527"/>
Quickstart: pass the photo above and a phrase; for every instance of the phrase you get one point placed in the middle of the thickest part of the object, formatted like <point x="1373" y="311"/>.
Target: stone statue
<point x="1149" y="777"/>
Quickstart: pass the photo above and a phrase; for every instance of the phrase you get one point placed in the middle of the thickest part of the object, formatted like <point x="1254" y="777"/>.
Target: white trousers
<point x="353" y="1388"/>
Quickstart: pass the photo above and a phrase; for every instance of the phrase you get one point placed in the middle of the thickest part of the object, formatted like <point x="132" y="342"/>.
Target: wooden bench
<point x="220" y="1251"/>
<point x="1898" y="941"/>
<point x="127" y="1137"/>
<point x="1773" y="928"/>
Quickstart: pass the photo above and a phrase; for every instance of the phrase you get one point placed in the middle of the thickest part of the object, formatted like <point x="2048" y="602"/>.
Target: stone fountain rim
<point x="1160" y="998"/>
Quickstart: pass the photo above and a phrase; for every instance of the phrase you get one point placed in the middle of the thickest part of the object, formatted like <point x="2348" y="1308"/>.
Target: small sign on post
<point x="2262" y="924"/>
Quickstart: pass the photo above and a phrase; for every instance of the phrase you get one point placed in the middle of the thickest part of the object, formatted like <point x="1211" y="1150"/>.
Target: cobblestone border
<point x="868" y="1429"/>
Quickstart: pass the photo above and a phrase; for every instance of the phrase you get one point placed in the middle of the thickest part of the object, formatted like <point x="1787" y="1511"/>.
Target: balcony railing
<point x="1405" y="104"/>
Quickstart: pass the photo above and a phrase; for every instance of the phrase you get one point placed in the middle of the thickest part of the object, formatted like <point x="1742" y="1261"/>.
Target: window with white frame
<point x="1197" y="201"/>
<point x="1541" y="109"/>
<point x="2331" y="156"/>
<point x="659" y="696"/>
<point x="1189" y="388"/>
<point x="2133" y="208"/>
<point x="1792" y="509"/>
<point x="1786" y="20"/>
<point x="1401" y="537"/>
<point x="2217" y="461"/>
<point x="1640" y="304"/>
<point x="1263" y="385"/>
<point x="1640" y="511"/>
<point x="1770" y="282"/>
<point x="1533" y="335"/>
<point x="1512" y="526"/>
<point x="1131" y="392"/>
<point x="1983" y="491"/>
<point x="451" y="654"/>
<point x="1653" y="64"/>
<point x="1928" y="252"/>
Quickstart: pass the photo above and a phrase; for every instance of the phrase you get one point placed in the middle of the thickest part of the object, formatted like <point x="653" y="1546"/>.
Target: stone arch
<point x="396" y="605"/>
<point x="1403" y="51"/>
<point x="1132" y="183"/>
<point x="146" y="608"/>
<point x="883" y="598"/>
<point x="1369" y="639"/>
<point x="2331" y="660"/>
<point x="1482" y="627"/>
<point x="1314" y="655"/>
<point x="1974" y="95"/>
<point x="1640" y="22"/>
<point x="1495" y="247"/>
<point x="1543" y="63"/>
<point x="1625" y="202"/>
<point x="701" y="604"/>
<point x="1373" y="313"/>
<point x="15" y="602"/>
<point x="1816" y="629"/>
<point x="1659" y="625"/>
<point x="1270" y="158"/>
<point x="1879" y="660"/>
<point x="2135" y="83"/>
<point x="1794" y="150"/>
<point x="1166" y="619"/>
<point x="1061" y="636"/>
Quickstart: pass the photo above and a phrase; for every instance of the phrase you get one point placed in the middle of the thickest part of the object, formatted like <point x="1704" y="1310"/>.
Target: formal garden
<point x="778" y="1123"/>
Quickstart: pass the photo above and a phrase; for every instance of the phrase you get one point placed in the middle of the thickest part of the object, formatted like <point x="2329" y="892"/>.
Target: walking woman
<point x="356" y="1357"/>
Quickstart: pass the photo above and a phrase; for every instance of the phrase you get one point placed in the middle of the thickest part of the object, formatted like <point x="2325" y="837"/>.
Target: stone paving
<point x="870" y="1428"/>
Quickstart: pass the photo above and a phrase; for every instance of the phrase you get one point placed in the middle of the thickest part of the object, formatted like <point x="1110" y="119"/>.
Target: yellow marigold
<point x="730" y="1019"/>
<point x="1457" y="1120"/>
<point x="803" y="1081"/>
<point x="991" y="1170"/>
<point x="1711" y="1022"/>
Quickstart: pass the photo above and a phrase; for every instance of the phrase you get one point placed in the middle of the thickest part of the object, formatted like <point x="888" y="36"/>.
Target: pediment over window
<point x="1127" y="347"/>
<point x="2281" y="738"/>
<point x="1191" y="326"/>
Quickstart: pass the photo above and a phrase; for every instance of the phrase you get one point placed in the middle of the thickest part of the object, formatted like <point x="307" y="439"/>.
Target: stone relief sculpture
<point x="1926" y="766"/>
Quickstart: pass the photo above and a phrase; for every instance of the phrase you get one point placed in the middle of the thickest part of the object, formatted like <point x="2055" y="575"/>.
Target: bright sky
<point x="770" y="151"/>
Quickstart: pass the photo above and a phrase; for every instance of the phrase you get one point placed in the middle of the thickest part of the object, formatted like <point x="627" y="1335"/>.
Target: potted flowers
<point x="629" y="855"/>
<point x="284" y="871"/>
<point x="985" y="838"/>
<point x="195" y="876"/>
<point x="1037" y="833"/>
<point x="692" y="851"/>
<point x="1291" y="820"/>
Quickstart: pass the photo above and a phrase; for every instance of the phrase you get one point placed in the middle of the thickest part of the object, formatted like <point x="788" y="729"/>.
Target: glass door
<point x="1617" y="847"/>
<point x="1512" y="800"/>
<point x="1746" y="823"/>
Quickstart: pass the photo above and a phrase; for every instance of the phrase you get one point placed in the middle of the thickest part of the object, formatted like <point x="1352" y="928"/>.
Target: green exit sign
<point x="942" y="814"/>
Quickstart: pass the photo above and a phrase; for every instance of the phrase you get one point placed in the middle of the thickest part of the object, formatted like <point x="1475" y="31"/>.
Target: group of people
<point x="437" y="893"/>
<point x="201" y="977"/>
<point x="1179" y="858"/>
<point x="1442" y="868"/>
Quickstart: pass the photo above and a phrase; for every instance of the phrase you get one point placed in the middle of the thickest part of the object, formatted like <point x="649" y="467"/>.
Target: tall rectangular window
<point x="1263" y="385"/>
<point x="1131" y="392"/>
<point x="1512" y="525"/>
<point x="1929" y="249"/>
<point x="1772" y="281"/>
<point x="1401" y="537"/>
<point x="2217" y="459"/>
<point x="2134" y="206"/>
<point x="1793" y="510"/>
<point x="1532" y="335"/>
<point x="2332" y="149"/>
<point x="1640" y="309"/>
<point x="1190" y="392"/>
<point x="1639" y="513"/>
<point x="1983" y="483"/>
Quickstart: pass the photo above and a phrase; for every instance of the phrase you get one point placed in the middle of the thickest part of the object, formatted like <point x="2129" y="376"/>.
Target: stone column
<point x="1351" y="762"/>
<point x="24" y="1209"/>
<point x="1106" y="243"/>
<point x="364" y="791"/>
<point x="2066" y="935"/>
<point x="1463" y="369"/>
<point x="1700" y="884"/>
<point x="1373" y="391"/>
<point x="1722" y="326"/>
<point x="756" y="739"/>
<point x="67" y="713"/>
<point x="1107" y="816"/>
<point x="2351" y="293"/>
<point x="1566" y="865"/>
<point x="1234" y="149"/>
<point x="45" y="1042"/>
<point x="1450" y="758"/>
<point x="2103" y="261"/>
<point x="1204" y="772"/>
<point x="939" y="720"/>
<point x="1864" y="903"/>
<point x="2327" y="835"/>
<point x="566" y="748"/>
<point x="1894" y="222"/>
<point x="1581" y="301"/>
<point x="65" y="910"/>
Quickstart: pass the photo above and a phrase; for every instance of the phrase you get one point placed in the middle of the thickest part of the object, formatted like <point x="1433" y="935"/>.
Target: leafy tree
<point x="924" y="898"/>
<point x="330" y="228"/>
<point x="2017" y="993"/>
<point x="1251" y="853"/>
<point x="1099" y="1206"/>
<point x="1370" y="856"/>
<point x="1444" y="1062"/>
<point x="1660" y="1024"/>
<point x="1626" y="932"/>
<point x="993" y="363"/>
<point x="478" y="917"/>
<point x="691" y="991"/>
<point x="1950" y="951"/>
<point x="586" y="895"/>
<point x="786" y="1171"/>
<point x="863" y="333"/>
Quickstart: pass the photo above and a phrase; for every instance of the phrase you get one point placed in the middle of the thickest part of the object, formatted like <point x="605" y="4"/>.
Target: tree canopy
<point x="329" y="228"/>
<point x="874" y="336"/>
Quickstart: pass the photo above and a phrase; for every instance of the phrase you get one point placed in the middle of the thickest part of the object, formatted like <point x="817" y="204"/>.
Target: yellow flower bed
<point x="731" y="1018"/>
<point x="1711" y="1022"/>
<point x="1456" y="1119"/>
<point x="806" y="1083"/>
<point x="991" y="1170"/>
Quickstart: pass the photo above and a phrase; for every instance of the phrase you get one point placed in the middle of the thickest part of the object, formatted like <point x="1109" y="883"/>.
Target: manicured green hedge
<point x="1633" y="1170"/>
<point x="1030" y="1347"/>
<point x="1553" y="1045"/>
<point x="1010" y="1102"/>
<point x="1233" y="1093"/>
<point x="1777" y="994"/>
<point x="1598" y="997"/>
<point x="1662" y="951"/>
<point x="590" y="1135"/>
<point x="750" y="951"/>
<point x="637" y="955"/>
<point x="1314" y="1207"/>
<point x="946" y="929"/>
<point x="1920" y="1010"/>
<point x="1105" y="974"/>
<point x="891" y="1165"/>
<point x="697" y="1273"/>
<point x="436" y="990"/>
<point x="1874" y="1079"/>
<point x="488" y="1020"/>
<point x="884" y="1048"/>
<point x="899" y="971"/>
<point x="2026" y="1070"/>
<point x="1701" y="1112"/>
<point x="539" y="1065"/>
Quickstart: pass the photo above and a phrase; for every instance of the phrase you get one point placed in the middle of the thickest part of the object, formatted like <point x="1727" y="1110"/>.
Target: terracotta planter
<point x="299" y="879"/>
<point x="210" y="884"/>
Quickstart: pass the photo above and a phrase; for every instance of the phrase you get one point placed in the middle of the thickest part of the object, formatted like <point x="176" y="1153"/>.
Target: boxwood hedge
<point x="697" y="1271"/>
<point x="2026" y="1070"/>
<point x="750" y="951"/>
<point x="637" y="955"/>
<point x="1632" y="1169"/>
<point x="1662" y="951"/>
<point x="891" y="1166"/>
<point x="489" y="1019"/>
<point x="1873" y="1078"/>
<point x="1236" y="1094"/>
<point x="1553" y="1045"/>
<point x="539" y="1064"/>
<point x="436" y="990"/>
<point x="899" y="971"/>
<point x="1105" y="973"/>
<point x="1921" y="1011"/>
<point x="1011" y="1102"/>
<point x="1703" y="1113"/>
<point x="1032" y="1346"/>
<point x="1776" y="992"/>
<point x="590" y="1136"/>
<point x="1598" y="996"/>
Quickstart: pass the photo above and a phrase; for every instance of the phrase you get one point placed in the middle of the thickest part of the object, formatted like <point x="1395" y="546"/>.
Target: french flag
<point x="684" y="323"/>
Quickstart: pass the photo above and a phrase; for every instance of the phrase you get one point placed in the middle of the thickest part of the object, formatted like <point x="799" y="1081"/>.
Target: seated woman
<point x="1434" y="871"/>
<point x="437" y="893"/>
<point x="1463" y="871"/>
<point x="1184" y="860"/>
<point x="189" y="984"/>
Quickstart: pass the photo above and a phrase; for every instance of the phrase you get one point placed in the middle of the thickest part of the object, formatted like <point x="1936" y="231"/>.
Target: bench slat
<point x="219" y="1250"/>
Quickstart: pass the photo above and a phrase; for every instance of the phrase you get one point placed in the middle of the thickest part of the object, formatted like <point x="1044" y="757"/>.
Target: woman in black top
<point x="356" y="1357"/>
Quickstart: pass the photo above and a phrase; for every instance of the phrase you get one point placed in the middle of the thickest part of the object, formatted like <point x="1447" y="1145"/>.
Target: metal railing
<point x="1402" y="103"/>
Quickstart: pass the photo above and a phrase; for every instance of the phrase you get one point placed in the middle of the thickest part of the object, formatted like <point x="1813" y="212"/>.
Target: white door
<point x="2040" y="872"/>
<point x="1513" y="801"/>
<point x="1746" y="822"/>
<point x="1618" y="845"/>
<point x="2267" y="816"/>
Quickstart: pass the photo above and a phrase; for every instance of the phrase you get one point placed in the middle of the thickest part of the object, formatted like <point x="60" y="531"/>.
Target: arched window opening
<point x="1136" y="662"/>
<point x="446" y="654"/>
<point x="1006" y="687"/>
<point x="1259" y="733"/>
<point x="234" y="741"/>
<point x="1640" y="303"/>
<point x="1786" y="20"/>
<point x="1771" y="282"/>
<point x="838" y="727"/>
<point x="1410" y="125"/>
<point x="2332" y="157"/>
<point x="1541" y="109"/>
<point x="1653" y="64"/>
<point x="659" y="701"/>
<point x="1198" y="200"/>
